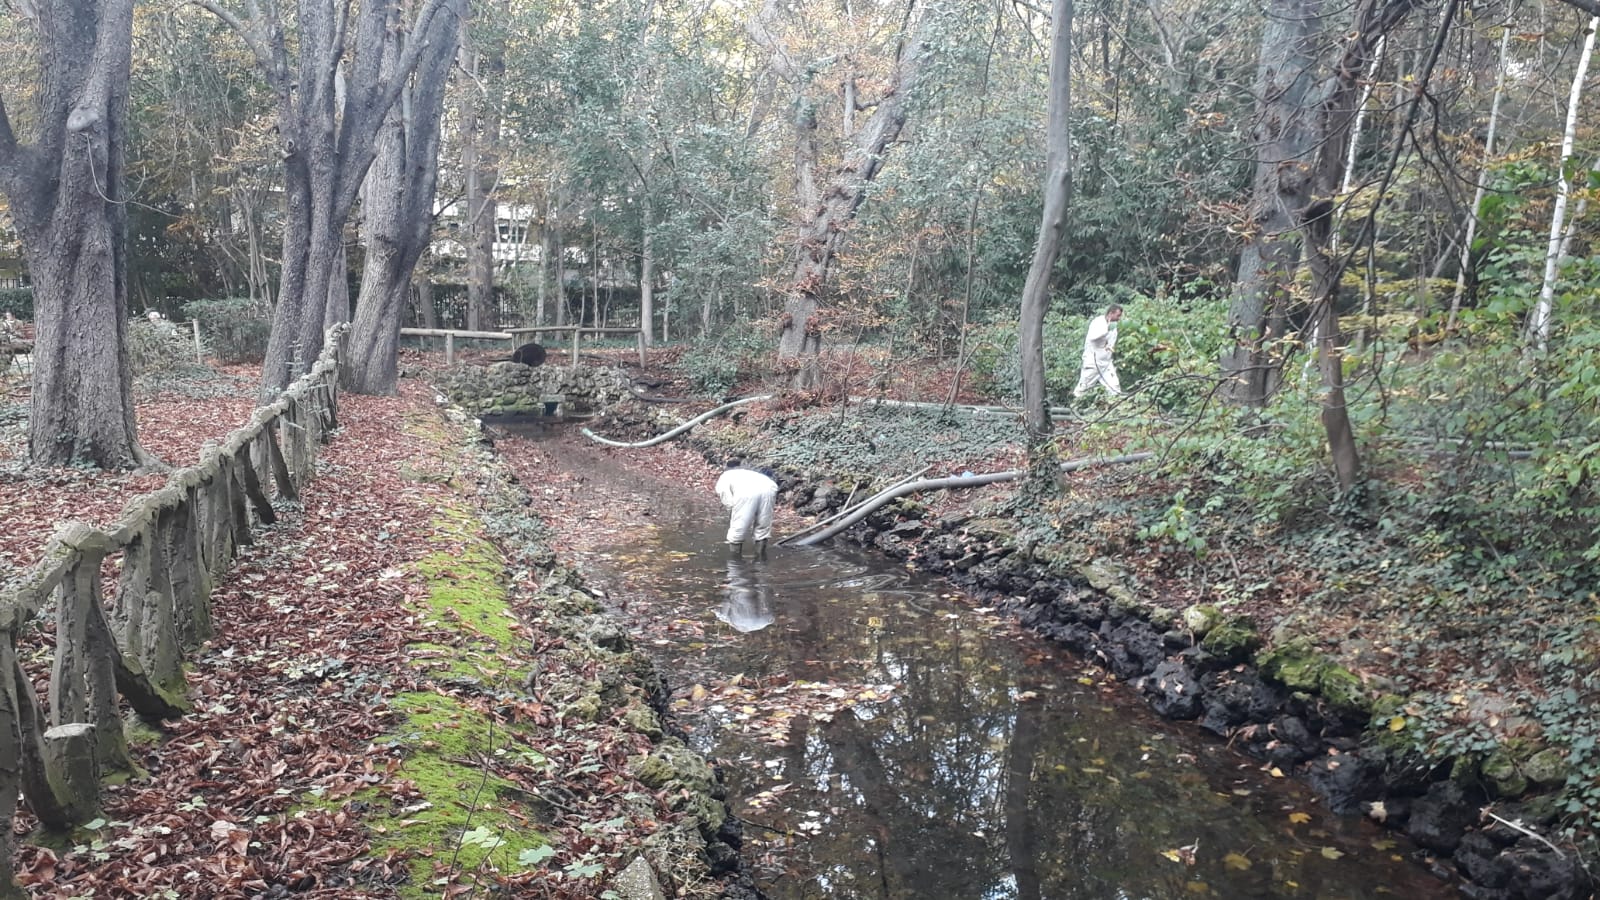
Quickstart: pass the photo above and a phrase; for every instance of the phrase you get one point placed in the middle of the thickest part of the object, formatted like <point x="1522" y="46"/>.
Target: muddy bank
<point x="1480" y="819"/>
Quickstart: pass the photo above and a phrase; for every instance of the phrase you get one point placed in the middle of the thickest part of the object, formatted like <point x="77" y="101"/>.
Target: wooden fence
<point x="173" y="546"/>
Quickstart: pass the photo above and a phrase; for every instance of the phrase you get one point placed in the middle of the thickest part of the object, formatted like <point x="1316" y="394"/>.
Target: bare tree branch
<point x="258" y="47"/>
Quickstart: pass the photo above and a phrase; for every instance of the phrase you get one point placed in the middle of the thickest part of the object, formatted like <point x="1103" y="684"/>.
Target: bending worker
<point x="749" y="495"/>
<point x="1097" y="347"/>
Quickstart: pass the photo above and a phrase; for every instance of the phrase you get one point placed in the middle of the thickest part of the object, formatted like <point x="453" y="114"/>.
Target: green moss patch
<point x="454" y="819"/>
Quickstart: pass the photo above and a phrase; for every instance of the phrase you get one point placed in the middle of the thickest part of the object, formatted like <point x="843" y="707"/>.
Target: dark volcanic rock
<point x="1173" y="689"/>
<point x="1440" y="817"/>
<point x="1343" y="781"/>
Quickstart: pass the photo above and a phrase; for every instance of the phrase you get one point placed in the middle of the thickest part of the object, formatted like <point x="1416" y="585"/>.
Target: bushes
<point x="713" y="365"/>
<point x="17" y="301"/>
<point x="235" y="329"/>
<point x="159" y="348"/>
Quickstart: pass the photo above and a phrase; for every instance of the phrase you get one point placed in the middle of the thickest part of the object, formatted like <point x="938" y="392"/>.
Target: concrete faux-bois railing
<point x="173" y="546"/>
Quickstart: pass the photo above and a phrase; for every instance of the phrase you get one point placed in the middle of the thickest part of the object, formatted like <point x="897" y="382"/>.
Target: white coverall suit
<point x="1097" y="364"/>
<point x="750" y="496"/>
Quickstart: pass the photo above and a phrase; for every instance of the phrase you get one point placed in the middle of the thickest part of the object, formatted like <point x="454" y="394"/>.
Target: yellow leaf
<point x="1330" y="853"/>
<point x="1397" y="723"/>
<point x="1275" y="772"/>
<point x="1172" y="855"/>
<point x="1299" y="818"/>
<point x="1197" y="887"/>
<point x="697" y="693"/>
<point x="1236" y="861"/>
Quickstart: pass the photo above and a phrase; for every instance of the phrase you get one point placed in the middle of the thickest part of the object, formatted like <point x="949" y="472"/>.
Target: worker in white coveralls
<point x="749" y="497"/>
<point x="1097" y="347"/>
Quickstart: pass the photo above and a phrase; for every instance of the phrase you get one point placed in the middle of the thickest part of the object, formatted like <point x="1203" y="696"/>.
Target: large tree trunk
<point x="65" y="192"/>
<point x="329" y="135"/>
<point x="1057" y="199"/>
<point x="826" y="212"/>
<point x="1286" y="138"/>
<point x="398" y="221"/>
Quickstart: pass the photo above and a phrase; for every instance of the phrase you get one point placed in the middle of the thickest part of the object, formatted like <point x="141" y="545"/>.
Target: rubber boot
<point x="735" y="551"/>
<point x="761" y="550"/>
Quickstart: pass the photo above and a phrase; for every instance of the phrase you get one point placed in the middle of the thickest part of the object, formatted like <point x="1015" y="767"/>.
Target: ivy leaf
<point x="535" y="855"/>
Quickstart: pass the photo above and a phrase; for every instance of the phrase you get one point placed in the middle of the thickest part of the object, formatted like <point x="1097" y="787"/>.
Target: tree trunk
<point x="328" y="136"/>
<point x="647" y="272"/>
<point x="1285" y="136"/>
<point x="480" y="132"/>
<point x="825" y="215"/>
<point x="398" y="221"/>
<point x="1482" y="188"/>
<point x="1057" y="199"/>
<point x="65" y="193"/>
<point x="1543" y="312"/>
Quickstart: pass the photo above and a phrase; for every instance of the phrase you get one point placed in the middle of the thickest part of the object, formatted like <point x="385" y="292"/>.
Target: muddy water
<point x="913" y="746"/>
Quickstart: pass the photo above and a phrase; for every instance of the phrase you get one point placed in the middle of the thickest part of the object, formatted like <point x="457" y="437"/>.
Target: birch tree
<point x="1543" y="311"/>
<point x="67" y="200"/>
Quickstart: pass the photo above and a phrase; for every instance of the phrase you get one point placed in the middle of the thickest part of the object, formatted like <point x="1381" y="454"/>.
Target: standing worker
<point x="749" y="495"/>
<point x="1097" y="346"/>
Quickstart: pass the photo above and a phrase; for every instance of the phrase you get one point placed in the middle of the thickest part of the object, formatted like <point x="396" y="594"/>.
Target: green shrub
<point x="17" y="301"/>
<point x="235" y="329"/>
<point x="159" y="348"/>
<point x="713" y="365"/>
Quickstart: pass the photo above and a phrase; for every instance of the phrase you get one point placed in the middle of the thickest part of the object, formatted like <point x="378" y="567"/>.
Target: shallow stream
<point x="918" y="747"/>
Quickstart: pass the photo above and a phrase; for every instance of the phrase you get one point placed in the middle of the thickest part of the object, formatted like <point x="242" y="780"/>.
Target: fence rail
<point x="174" y="545"/>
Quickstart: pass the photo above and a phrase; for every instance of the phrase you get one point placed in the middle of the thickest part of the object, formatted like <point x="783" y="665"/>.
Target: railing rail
<point x="174" y="544"/>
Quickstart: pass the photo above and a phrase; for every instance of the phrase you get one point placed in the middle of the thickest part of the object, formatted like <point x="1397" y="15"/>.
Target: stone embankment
<point x="1479" y="820"/>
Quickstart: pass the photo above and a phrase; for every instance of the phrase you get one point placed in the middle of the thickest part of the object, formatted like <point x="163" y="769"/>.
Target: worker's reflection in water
<point x="748" y="605"/>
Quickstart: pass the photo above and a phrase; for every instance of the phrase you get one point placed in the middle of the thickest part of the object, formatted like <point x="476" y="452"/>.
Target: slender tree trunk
<point x="398" y="220"/>
<point x="1543" y="312"/>
<point x="422" y="287"/>
<point x="66" y="198"/>
<point x="647" y="272"/>
<point x="1467" y="266"/>
<point x="1047" y="249"/>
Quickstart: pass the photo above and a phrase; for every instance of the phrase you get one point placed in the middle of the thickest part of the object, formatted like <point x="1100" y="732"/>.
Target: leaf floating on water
<point x="1028" y="695"/>
<point x="1242" y="792"/>
<point x="1299" y="818"/>
<point x="1198" y="887"/>
<point x="698" y="693"/>
<point x="1378" y="812"/>
<point x="1236" y="861"/>
<point x="1330" y="853"/>
<point x="1275" y="772"/>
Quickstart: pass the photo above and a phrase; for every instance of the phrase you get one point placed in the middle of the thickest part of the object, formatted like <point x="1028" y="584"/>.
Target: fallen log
<point x="956" y="481"/>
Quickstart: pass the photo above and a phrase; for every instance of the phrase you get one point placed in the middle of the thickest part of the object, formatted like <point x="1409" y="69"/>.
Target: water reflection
<point x="748" y="604"/>
<point x="985" y="764"/>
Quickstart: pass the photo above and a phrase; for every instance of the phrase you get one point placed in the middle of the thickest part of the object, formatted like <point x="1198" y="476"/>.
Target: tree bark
<point x="398" y="220"/>
<point x="1482" y="187"/>
<point x="1544" y="310"/>
<point x="328" y="137"/>
<point x="480" y="163"/>
<point x="66" y="196"/>
<point x="1047" y="249"/>
<point x="1286" y="138"/>
<point x="826" y="213"/>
